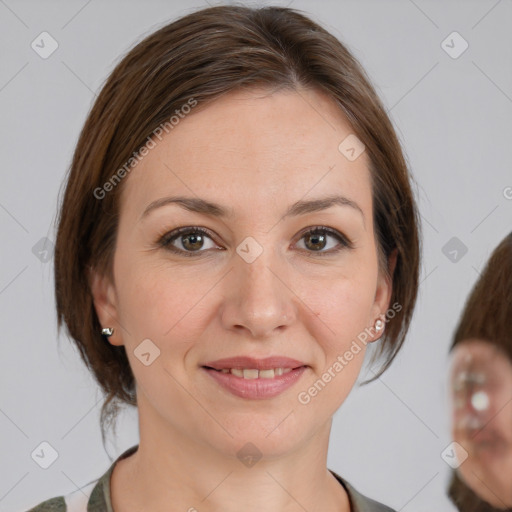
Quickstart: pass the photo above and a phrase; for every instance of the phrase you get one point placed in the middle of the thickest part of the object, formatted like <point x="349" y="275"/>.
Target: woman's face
<point x="481" y="391"/>
<point x="255" y="284"/>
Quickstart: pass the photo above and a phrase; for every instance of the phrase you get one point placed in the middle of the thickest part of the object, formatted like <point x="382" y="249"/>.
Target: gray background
<point x="454" y="118"/>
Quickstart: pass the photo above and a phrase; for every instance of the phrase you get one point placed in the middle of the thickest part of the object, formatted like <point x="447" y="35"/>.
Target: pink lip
<point x="267" y="363"/>
<point x="256" y="388"/>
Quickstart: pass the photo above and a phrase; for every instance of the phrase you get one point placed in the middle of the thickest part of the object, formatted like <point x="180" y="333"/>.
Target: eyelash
<point x="166" y="240"/>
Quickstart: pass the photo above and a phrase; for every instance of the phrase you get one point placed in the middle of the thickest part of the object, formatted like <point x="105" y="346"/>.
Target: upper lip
<point x="246" y="362"/>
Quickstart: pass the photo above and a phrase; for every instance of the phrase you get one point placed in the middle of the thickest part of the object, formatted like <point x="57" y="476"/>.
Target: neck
<point x="171" y="467"/>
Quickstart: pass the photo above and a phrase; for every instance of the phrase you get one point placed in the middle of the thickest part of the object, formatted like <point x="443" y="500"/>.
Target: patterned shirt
<point x="95" y="496"/>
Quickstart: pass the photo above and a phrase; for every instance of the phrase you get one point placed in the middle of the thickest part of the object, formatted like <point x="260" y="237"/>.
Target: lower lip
<point x="489" y="453"/>
<point x="484" y="443"/>
<point x="490" y="442"/>
<point x="256" y="389"/>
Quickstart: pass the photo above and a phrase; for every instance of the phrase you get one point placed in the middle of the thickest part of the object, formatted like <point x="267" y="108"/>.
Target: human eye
<point x="319" y="235"/>
<point x="191" y="239"/>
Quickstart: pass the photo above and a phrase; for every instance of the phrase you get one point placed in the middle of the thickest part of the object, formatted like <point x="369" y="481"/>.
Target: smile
<point x="250" y="383"/>
<point x="253" y="373"/>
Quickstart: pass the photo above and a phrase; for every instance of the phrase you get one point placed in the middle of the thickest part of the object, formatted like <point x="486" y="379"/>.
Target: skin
<point x="488" y="441"/>
<point x="252" y="151"/>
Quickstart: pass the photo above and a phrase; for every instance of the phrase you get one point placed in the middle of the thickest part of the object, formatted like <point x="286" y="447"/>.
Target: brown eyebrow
<point x="195" y="204"/>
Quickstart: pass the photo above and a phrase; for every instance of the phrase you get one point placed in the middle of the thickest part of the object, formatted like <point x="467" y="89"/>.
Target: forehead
<point x="472" y="348"/>
<point x="253" y="147"/>
<point x="478" y="353"/>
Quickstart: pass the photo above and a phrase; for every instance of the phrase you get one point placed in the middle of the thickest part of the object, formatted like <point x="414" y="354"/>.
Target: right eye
<point x="190" y="238"/>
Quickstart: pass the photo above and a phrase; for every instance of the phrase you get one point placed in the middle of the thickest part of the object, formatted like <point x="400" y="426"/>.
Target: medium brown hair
<point x="486" y="316"/>
<point x="466" y="500"/>
<point x="488" y="309"/>
<point x="203" y="55"/>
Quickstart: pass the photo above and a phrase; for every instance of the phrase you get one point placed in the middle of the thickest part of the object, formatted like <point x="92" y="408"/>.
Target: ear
<point x="383" y="294"/>
<point x="105" y="303"/>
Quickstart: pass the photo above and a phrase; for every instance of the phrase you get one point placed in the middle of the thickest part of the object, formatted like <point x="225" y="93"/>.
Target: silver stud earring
<point x="107" y="331"/>
<point x="379" y="325"/>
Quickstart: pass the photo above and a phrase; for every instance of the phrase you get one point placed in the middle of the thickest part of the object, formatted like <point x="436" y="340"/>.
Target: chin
<point x="269" y="435"/>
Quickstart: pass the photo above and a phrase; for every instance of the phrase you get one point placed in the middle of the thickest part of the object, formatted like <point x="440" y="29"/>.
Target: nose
<point x="258" y="297"/>
<point x="471" y="400"/>
<point x="472" y="412"/>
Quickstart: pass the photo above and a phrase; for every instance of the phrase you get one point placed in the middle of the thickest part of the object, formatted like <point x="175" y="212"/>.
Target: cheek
<point x="343" y="303"/>
<point x="157" y="304"/>
<point x="503" y="419"/>
<point x="161" y="300"/>
<point x="343" y="308"/>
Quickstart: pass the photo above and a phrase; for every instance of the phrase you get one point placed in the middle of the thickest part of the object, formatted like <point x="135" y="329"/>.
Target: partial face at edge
<point x="481" y="396"/>
<point x="198" y="298"/>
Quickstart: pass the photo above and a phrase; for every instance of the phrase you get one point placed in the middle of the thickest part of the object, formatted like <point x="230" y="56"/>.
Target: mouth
<point x="254" y="373"/>
<point x="253" y="363"/>
<point x="489" y="449"/>
<point x="254" y="383"/>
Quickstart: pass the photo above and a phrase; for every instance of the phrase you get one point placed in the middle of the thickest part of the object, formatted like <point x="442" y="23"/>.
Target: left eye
<point x="192" y="240"/>
<point x="318" y="236"/>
